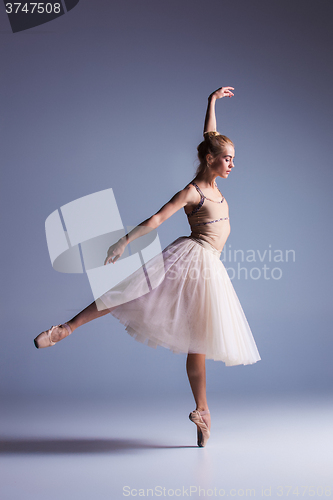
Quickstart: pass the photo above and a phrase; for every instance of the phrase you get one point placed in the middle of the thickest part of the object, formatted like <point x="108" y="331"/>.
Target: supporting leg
<point x="196" y="371"/>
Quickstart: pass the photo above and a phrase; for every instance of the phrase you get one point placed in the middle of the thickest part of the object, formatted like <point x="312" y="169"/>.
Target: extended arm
<point x="210" y="119"/>
<point x="178" y="201"/>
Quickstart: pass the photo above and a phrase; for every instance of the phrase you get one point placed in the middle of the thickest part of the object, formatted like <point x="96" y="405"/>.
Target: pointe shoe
<point x="44" y="338"/>
<point x="203" y="431"/>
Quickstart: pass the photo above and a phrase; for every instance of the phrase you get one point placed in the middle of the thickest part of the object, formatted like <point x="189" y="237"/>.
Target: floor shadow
<point x="79" y="445"/>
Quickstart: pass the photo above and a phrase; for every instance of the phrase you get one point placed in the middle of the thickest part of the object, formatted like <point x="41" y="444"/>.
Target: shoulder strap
<point x="198" y="189"/>
<point x="194" y="211"/>
<point x="205" y="197"/>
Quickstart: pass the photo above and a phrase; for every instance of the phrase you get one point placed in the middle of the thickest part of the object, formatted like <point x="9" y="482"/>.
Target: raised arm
<point x="178" y="201"/>
<point x="210" y="119"/>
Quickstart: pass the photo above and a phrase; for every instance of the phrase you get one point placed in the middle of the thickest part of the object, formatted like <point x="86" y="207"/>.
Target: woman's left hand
<point x="222" y="92"/>
<point x="115" y="251"/>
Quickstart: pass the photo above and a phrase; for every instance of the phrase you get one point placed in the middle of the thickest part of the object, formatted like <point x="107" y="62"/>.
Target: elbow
<point x="156" y="221"/>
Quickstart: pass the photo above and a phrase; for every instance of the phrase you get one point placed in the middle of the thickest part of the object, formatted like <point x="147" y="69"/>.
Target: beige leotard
<point x="209" y="220"/>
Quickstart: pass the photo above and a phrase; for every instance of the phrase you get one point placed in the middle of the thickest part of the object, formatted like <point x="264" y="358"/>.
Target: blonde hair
<point x="214" y="144"/>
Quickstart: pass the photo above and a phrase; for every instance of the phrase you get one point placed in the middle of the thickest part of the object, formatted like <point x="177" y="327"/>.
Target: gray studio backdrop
<point x="113" y="95"/>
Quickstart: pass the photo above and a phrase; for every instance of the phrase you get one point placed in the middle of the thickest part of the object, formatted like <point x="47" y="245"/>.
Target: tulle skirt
<point x="190" y="307"/>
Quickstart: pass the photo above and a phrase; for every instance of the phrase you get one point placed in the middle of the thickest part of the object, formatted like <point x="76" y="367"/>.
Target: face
<point x="224" y="162"/>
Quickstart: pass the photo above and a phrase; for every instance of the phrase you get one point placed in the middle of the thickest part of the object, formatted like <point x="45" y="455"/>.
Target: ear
<point x="209" y="159"/>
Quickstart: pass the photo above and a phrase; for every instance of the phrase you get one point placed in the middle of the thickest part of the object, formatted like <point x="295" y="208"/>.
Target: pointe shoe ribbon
<point x="203" y="431"/>
<point x="44" y="338"/>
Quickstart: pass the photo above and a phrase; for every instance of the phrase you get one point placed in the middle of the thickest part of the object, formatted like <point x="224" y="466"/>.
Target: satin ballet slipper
<point x="203" y="431"/>
<point x="44" y="338"/>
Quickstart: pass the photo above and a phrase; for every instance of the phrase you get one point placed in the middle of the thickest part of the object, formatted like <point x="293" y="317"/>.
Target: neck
<point x="208" y="178"/>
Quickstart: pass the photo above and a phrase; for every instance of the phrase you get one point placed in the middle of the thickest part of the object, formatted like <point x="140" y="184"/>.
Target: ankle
<point x="202" y="409"/>
<point x="71" y="325"/>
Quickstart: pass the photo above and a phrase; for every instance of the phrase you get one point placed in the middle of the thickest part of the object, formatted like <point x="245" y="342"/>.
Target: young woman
<point x="194" y="308"/>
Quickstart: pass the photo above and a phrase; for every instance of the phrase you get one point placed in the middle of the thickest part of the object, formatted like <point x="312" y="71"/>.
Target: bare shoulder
<point x="191" y="196"/>
<point x="185" y="198"/>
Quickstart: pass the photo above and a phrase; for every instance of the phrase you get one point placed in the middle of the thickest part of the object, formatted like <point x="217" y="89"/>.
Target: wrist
<point x="212" y="97"/>
<point x="124" y="239"/>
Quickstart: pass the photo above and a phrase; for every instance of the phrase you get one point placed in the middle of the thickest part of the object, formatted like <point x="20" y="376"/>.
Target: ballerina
<point x="194" y="309"/>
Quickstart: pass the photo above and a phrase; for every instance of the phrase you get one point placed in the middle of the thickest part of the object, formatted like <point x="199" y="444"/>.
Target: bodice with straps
<point x="209" y="220"/>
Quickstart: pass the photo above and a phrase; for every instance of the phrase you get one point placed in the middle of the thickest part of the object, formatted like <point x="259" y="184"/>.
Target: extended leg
<point x="59" y="332"/>
<point x="88" y="314"/>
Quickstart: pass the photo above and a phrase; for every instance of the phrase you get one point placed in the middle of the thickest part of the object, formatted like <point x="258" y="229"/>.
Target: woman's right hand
<point x="115" y="251"/>
<point x="222" y="92"/>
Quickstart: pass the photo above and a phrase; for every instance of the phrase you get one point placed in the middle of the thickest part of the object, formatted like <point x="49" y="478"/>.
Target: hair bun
<point x="212" y="133"/>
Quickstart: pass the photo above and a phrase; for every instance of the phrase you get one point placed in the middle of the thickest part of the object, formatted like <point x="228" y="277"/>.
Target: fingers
<point x="109" y="257"/>
<point x="226" y="88"/>
<point x="109" y="260"/>
<point x="227" y="91"/>
<point x="224" y="92"/>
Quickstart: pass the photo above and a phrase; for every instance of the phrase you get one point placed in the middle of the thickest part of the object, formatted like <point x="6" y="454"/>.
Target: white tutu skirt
<point x="193" y="309"/>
